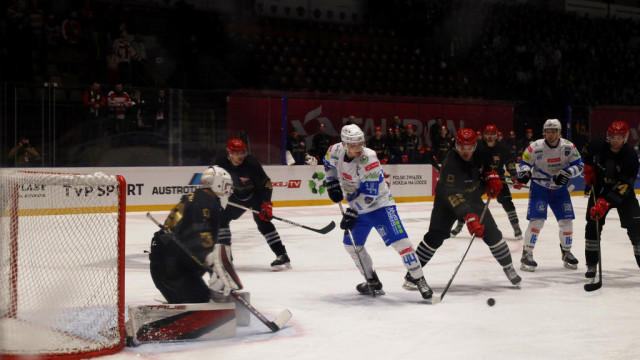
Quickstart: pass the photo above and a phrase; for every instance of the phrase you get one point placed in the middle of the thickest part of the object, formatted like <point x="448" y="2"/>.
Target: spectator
<point x="161" y="106"/>
<point x="320" y="143"/>
<point x="397" y="123"/>
<point x="138" y="111"/>
<point x="119" y="102"/>
<point x="126" y="54"/>
<point x="442" y="143"/>
<point x="377" y="143"/>
<point x="434" y="130"/>
<point x="24" y="154"/>
<point x="296" y="147"/>
<point x="412" y="142"/>
<point x="94" y="100"/>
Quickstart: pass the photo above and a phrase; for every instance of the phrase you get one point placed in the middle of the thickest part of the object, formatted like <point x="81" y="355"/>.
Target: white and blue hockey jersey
<point x="544" y="162"/>
<point x="361" y="179"/>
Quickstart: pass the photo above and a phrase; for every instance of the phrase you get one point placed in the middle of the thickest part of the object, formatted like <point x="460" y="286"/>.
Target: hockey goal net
<point x="61" y="264"/>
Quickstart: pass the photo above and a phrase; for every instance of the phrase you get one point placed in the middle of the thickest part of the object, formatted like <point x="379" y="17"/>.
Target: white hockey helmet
<point x="218" y="180"/>
<point x="552" y="124"/>
<point x="351" y="134"/>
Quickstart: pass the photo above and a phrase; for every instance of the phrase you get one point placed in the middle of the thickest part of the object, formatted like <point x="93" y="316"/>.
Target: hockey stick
<point x="512" y="184"/>
<point x="446" y="288"/>
<point x="275" y="325"/>
<point x="596" y="285"/>
<point x="355" y="248"/>
<point x="324" y="230"/>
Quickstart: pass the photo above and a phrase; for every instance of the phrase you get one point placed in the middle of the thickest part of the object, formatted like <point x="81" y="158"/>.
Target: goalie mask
<point x="219" y="181"/>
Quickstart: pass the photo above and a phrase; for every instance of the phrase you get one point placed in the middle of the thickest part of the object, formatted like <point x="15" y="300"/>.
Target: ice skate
<point x="455" y="231"/>
<point x="374" y="283"/>
<point x="418" y="284"/>
<point x="591" y="272"/>
<point x="517" y="232"/>
<point x="282" y="262"/>
<point x="512" y="275"/>
<point x="527" y="263"/>
<point x="570" y="261"/>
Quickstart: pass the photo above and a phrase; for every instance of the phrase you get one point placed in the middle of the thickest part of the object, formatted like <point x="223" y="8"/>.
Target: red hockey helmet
<point x="236" y="147"/>
<point x="500" y="133"/>
<point x="512" y="133"/>
<point x="479" y="133"/>
<point x="378" y="128"/>
<point x="529" y="131"/>
<point x="466" y="137"/>
<point x="491" y="129"/>
<point x="411" y="126"/>
<point x="618" y="129"/>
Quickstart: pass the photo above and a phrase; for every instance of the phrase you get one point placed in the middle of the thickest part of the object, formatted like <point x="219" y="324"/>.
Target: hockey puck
<point x="491" y="301"/>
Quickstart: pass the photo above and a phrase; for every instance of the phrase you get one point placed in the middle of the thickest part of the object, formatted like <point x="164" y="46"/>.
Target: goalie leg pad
<point x="223" y="269"/>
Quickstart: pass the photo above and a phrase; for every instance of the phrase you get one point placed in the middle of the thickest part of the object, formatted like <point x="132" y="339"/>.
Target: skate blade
<point x="284" y="267"/>
<point x="528" y="268"/>
<point x="570" y="266"/>
<point x="377" y="292"/>
<point x="408" y="285"/>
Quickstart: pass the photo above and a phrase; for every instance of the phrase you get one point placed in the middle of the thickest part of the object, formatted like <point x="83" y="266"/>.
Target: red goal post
<point x="62" y="240"/>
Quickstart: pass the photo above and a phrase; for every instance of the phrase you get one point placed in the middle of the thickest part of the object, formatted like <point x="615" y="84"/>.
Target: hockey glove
<point x="562" y="178"/>
<point x="266" y="211"/>
<point x="335" y="191"/>
<point x="224" y="277"/>
<point x="473" y="225"/>
<point x="590" y="176"/>
<point x="349" y="219"/>
<point x="524" y="177"/>
<point x="494" y="184"/>
<point x="599" y="209"/>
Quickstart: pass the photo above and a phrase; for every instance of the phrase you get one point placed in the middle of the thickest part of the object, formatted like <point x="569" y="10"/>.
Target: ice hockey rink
<point x="549" y="317"/>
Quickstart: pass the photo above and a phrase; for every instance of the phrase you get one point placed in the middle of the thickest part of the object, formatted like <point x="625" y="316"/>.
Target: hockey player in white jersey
<point x="354" y="172"/>
<point x="550" y="162"/>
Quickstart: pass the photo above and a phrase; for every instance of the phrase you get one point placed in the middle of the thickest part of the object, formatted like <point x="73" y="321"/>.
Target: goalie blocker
<point x="173" y="322"/>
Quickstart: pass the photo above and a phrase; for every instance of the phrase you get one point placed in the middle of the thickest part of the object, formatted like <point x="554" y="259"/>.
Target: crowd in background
<point x="439" y="48"/>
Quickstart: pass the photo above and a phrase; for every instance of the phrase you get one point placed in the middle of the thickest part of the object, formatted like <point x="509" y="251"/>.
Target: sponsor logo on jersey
<point x="553" y="160"/>
<point x="542" y="206"/>
<point x="347" y="176"/>
<point x="382" y="230"/>
<point x="364" y="159"/>
<point x="372" y="166"/>
<point x="243" y="179"/>
<point x="567" y="152"/>
<point x="368" y="200"/>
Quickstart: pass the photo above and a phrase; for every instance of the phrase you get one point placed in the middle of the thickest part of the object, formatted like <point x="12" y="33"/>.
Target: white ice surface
<point x="549" y="317"/>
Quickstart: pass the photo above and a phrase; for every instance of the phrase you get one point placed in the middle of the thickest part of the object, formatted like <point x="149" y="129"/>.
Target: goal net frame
<point x="100" y="200"/>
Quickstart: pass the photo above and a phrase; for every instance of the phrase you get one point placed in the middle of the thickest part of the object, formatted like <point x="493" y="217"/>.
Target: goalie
<point x="189" y="240"/>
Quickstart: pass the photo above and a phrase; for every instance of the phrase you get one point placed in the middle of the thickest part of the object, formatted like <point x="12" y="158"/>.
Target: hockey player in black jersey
<point x="458" y="195"/>
<point x="252" y="189"/>
<point x="193" y="224"/>
<point x="611" y="168"/>
<point x="495" y="157"/>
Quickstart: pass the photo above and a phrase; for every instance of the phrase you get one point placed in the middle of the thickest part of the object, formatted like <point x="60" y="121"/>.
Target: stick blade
<point x="282" y="319"/>
<point x="435" y="299"/>
<point x="327" y="228"/>
<point x="593" y="287"/>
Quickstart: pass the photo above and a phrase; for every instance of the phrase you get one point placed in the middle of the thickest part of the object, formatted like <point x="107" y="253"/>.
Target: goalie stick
<point x="324" y="230"/>
<point x="275" y="325"/>
<point x="446" y="288"/>
<point x="596" y="285"/>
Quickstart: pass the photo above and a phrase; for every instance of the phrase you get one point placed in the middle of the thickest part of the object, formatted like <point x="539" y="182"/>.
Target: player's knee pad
<point x="435" y="238"/>
<point x="536" y="224"/>
<point x="590" y="231"/>
<point x="402" y="245"/>
<point x="565" y="231"/>
<point x="265" y="227"/>
<point x="363" y="255"/>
